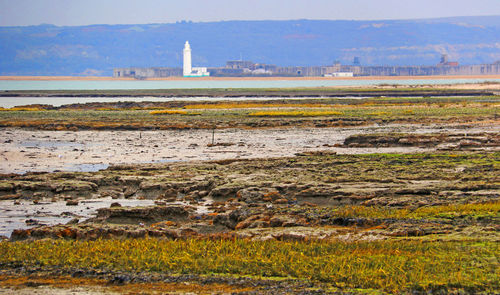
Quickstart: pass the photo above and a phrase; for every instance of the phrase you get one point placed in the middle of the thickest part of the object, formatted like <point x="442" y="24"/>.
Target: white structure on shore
<point x="188" y="70"/>
<point x="187" y="59"/>
<point x="339" y="74"/>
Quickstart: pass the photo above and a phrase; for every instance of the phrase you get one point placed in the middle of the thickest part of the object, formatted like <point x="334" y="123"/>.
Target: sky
<point x="86" y="12"/>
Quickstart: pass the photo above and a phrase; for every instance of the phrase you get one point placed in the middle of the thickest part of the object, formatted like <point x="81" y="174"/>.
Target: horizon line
<point x="252" y="20"/>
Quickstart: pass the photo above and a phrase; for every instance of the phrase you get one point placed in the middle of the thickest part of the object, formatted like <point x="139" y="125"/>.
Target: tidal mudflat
<point x="25" y="151"/>
<point x="378" y="195"/>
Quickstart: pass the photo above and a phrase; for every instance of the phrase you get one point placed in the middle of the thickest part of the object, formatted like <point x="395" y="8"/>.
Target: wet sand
<point x="24" y="151"/>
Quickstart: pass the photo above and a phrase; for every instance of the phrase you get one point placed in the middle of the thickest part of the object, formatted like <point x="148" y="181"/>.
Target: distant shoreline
<point x="95" y="78"/>
<point x="283" y="93"/>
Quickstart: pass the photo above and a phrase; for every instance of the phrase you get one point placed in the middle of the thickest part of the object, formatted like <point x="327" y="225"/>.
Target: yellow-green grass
<point x="236" y="105"/>
<point x="22" y="109"/>
<point x="172" y="112"/>
<point x="482" y="210"/>
<point x="295" y="113"/>
<point x="187" y="118"/>
<point x="392" y="266"/>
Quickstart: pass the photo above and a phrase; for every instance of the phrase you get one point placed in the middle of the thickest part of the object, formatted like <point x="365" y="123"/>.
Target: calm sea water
<point x="186" y="84"/>
<point x="7" y="102"/>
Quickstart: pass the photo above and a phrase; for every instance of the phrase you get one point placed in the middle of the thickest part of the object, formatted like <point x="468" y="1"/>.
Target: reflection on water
<point x="14" y="216"/>
<point x="50" y="213"/>
<point x="86" y="167"/>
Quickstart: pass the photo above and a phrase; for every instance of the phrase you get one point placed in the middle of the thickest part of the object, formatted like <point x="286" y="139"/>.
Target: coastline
<point x="282" y="93"/>
<point x="107" y="78"/>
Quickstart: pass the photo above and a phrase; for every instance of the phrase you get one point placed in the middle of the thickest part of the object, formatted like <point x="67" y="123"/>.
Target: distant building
<point x="145" y="73"/>
<point x="444" y="62"/>
<point x="242" y="68"/>
<point x="356" y="61"/>
<point x="240" y="64"/>
<point x="189" y="71"/>
<point x="339" y="74"/>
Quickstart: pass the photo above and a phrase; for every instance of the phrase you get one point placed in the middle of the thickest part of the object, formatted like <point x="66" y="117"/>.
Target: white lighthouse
<point x="188" y="70"/>
<point x="187" y="60"/>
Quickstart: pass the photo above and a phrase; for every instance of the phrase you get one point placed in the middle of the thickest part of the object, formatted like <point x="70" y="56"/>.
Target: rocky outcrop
<point x="440" y="140"/>
<point x="284" y="198"/>
<point x="145" y="215"/>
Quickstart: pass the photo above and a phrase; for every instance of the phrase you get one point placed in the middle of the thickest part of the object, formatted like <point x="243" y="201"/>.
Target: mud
<point x="30" y="151"/>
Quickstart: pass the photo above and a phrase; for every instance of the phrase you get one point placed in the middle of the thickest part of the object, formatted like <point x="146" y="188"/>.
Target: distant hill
<point x="97" y="49"/>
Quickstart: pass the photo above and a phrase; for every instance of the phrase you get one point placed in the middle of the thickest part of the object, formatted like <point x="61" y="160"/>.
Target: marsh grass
<point x="475" y="211"/>
<point x="249" y="105"/>
<point x="295" y="113"/>
<point x="173" y="112"/>
<point x="145" y="288"/>
<point x="392" y="266"/>
<point x="244" y="114"/>
<point x="21" y="109"/>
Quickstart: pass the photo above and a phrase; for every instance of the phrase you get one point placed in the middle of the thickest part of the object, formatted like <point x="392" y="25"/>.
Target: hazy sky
<point x="84" y="12"/>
